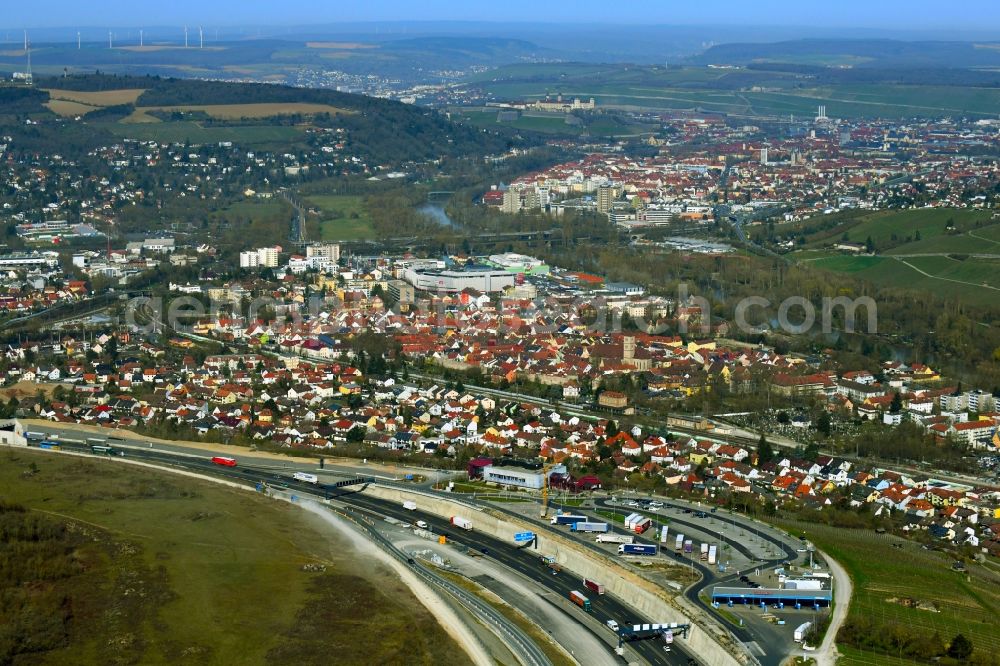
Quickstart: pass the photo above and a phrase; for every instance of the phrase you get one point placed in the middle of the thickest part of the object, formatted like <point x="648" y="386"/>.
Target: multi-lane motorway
<point x="525" y="561"/>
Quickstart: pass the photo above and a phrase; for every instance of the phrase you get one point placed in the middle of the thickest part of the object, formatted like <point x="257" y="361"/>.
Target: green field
<point x="846" y="263"/>
<point x="882" y="226"/>
<point x="990" y="234"/>
<point x="342" y="217"/>
<point x="971" y="275"/>
<point x="181" y="131"/>
<point x="132" y="566"/>
<point x="973" y="271"/>
<point x="954" y="276"/>
<point x="881" y="573"/>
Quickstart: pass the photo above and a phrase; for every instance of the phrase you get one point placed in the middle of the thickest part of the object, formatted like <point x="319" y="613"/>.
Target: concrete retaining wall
<point x="714" y="649"/>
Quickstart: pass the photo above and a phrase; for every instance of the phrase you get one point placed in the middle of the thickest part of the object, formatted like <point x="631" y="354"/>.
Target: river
<point x="436" y="212"/>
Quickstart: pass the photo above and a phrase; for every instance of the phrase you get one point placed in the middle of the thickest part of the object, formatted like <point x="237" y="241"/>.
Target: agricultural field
<point x="844" y="263"/>
<point x="984" y="272"/>
<point x="235" y="111"/>
<point x="656" y="88"/>
<point x="973" y="281"/>
<point x="342" y="217"/>
<point x="911" y="588"/>
<point x="77" y="103"/>
<point x="162" y="569"/>
<point x="68" y="109"/>
<point x="895" y="229"/>
<point x="98" y="98"/>
<point x="951" y="273"/>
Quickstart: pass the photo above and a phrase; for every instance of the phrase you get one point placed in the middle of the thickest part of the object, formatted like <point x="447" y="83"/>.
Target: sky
<point x="887" y="14"/>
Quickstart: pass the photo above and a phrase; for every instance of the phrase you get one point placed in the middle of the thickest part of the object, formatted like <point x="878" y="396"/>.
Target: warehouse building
<point x="481" y="278"/>
<point x="767" y="595"/>
<point x="513" y="476"/>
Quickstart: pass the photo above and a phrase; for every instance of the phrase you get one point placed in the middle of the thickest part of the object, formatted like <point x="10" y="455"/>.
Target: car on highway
<point x="612" y="625"/>
<point x="422" y="525"/>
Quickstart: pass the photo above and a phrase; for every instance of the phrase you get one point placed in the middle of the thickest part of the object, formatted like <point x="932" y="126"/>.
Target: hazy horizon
<point x="977" y="16"/>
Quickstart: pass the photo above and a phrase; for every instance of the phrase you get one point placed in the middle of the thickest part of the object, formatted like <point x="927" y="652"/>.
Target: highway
<point x="774" y="652"/>
<point x="526" y="561"/>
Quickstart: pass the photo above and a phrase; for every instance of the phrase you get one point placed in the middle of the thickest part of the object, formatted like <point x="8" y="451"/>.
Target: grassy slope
<point x="880" y="572"/>
<point x="214" y="575"/>
<point x="930" y="223"/>
<point x="343" y="217"/>
<point x="882" y="225"/>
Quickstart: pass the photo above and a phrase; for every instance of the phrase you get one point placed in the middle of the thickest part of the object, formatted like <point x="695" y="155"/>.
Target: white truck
<point x="615" y="538"/>
<point x="711" y="554"/>
<point x="464" y="523"/>
<point x="801" y="631"/>
<point x="663" y="534"/>
<point x="410" y="506"/>
<point x="679" y="542"/>
<point x="305" y="477"/>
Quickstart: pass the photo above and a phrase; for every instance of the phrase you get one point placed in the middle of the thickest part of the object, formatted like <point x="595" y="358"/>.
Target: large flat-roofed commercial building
<point x="481" y="278"/>
<point x="23" y="260"/>
<point x="518" y="263"/>
<point x="749" y="595"/>
<point x="513" y="476"/>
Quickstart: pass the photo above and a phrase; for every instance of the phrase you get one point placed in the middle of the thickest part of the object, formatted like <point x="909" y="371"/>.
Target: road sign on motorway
<point x="521" y="537"/>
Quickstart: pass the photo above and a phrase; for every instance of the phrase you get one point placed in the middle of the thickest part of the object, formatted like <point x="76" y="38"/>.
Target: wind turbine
<point x="201" y="38"/>
<point x="185" y="36"/>
<point x="140" y="37"/>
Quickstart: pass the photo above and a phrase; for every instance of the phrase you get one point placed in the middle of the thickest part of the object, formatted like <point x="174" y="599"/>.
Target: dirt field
<point x="97" y="99"/>
<point x="26" y="390"/>
<point x="235" y="111"/>
<point x="65" y="108"/>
